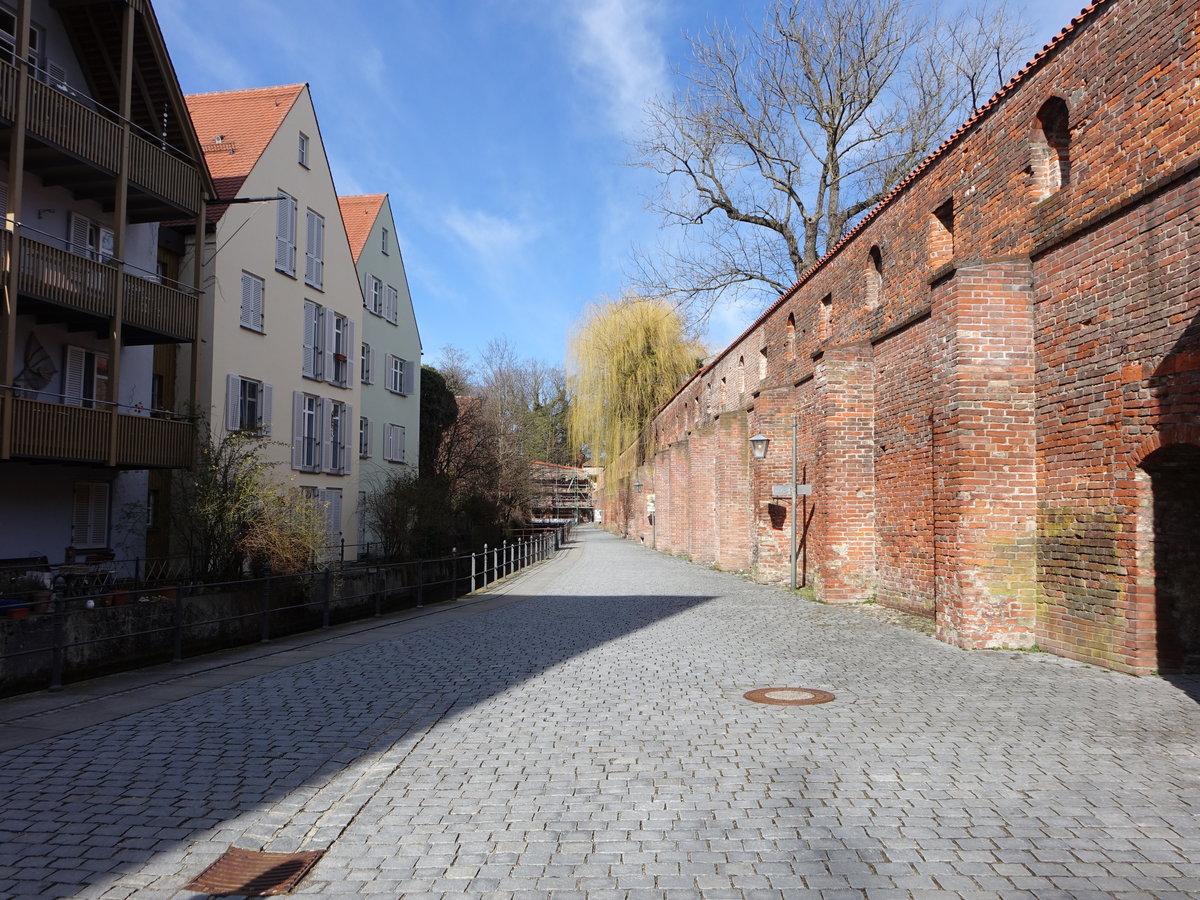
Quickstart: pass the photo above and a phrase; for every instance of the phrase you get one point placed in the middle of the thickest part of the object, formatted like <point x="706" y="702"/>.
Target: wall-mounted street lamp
<point x="758" y="445"/>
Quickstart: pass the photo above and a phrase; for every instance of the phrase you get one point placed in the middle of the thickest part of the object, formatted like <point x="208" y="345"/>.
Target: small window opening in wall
<point x="741" y="374"/>
<point x="873" y="278"/>
<point x="762" y="364"/>
<point x="826" y="316"/>
<point x="941" y="235"/>
<point x="1050" y="154"/>
<point x="791" y="333"/>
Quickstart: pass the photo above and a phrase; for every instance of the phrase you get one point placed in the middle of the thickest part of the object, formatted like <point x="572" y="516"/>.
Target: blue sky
<point x="498" y="127"/>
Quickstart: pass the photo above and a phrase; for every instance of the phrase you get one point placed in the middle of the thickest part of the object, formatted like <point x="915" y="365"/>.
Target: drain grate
<point x="788" y="696"/>
<point x="254" y="873"/>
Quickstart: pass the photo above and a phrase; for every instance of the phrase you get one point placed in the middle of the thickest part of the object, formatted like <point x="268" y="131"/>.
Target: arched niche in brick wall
<point x="1050" y="155"/>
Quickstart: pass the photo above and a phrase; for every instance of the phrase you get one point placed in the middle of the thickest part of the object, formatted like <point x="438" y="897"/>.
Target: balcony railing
<point x="57" y="118"/>
<point x="70" y="279"/>
<point x="56" y="431"/>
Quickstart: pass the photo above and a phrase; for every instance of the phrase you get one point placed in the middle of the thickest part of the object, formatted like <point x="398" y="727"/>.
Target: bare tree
<point x="783" y="138"/>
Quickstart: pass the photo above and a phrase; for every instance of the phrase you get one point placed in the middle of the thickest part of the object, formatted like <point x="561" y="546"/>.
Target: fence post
<point x="420" y="586"/>
<point x="472" y="571"/>
<point x="60" y="639"/>
<point x="453" y="573"/>
<point x="486" y="580"/>
<point x="266" y="605"/>
<point x="327" y="598"/>
<point x="177" y="636"/>
<point x="495" y="563"/>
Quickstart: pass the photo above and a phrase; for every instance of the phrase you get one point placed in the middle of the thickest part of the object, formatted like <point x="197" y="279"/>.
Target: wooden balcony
<point x="71" y="127"/>
<point x="157" y="312"/>
<point x="78" y="434"/>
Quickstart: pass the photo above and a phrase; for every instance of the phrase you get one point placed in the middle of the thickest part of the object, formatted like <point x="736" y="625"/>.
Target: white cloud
<point x="618" y="48"/>
<point x="492" y="238"/>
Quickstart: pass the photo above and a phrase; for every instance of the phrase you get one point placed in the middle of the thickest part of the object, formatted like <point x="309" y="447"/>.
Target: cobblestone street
<point x="586" y="735"/>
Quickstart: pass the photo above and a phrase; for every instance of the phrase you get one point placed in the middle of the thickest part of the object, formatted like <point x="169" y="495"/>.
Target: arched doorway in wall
<point x="1174" y="475"/>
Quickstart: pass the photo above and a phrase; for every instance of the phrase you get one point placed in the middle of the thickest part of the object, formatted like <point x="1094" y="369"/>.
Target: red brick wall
<point x="984" y="424"/>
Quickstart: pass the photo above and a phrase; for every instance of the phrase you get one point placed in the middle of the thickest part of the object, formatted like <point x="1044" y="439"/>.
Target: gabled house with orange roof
<point x="390" y="352"/>
<point x="99" y="152"/>
<point x="279" y="353"/>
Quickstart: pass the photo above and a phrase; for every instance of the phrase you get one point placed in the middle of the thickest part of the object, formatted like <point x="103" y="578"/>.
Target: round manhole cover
<point x="789" y="696"/>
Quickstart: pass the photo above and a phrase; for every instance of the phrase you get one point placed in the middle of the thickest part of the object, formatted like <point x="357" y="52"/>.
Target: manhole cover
<point x="253" y="873"/>
<point x="787" y="696"/>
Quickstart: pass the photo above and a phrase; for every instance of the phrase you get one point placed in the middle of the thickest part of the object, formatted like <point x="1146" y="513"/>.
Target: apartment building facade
<point x="281" y="325"/>
<point x="100" y="151"/>
<point x="389" y="420"/>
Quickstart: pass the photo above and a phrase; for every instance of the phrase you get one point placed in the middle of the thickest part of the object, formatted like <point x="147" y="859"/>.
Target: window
<point x="314" y="254"/>
<point x="8" y="40"/>
<point x="873" y="278"/>
<point x="252" y="302"/>
<point x="399" y="375"/>
<point x="302" y="152"/>
<point x="393" y="444"/>
<point x="247" y="405"/>
<point x="90" y="239"/>
<point x="331" y="499"/>
<point x="373" y="296"/>
<point x="85" y="377"/>
<point x="941" y="235"/>
<point x="390" y="304"/>
<point x="826" y="316"/>
<point x="383" y="241"/>
<point x="791" y="334"/>
<point x="1050" y="157"/>
<point x="364" y="437"/>
<point x="339" y="349"/>
<point x="312" y="365"/>
<point x="89" y="515"/>
<point x="367" y="370"/>
<point x="336" y="459"/>
<point x="285" y="234"/>
<point x="306" y="432"/>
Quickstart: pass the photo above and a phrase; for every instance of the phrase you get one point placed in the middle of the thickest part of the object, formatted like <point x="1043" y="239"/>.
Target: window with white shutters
<point x="307" y="449"/>
<point x="252" y="302"/>
<point x="364" y="437"/>
<point x="313" y="359"/>
<point x="285" y="234"/>
<point x="90" y="239"/>
<point x="89" y="515"/>
<point x="367" y="370"/>
<point x="390" y="304"/>
<point x="85" y="377"/>
<point x="373" y="296"/>
<point x="399" y="375"/>
<point x="247" y="405"/>
<point x="393" y="444"/>
<point x="314" y="256"/>
<point x="338" y="417"/>
<point x="339" y="349"/>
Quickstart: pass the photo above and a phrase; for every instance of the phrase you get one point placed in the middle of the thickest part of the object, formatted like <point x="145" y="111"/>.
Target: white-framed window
<point x="89" y="515"/>
<point x="313" y="360"/>
<point x="364" y="437"/>
<point x="339" y="349"/>
<point x="383" y="242"/>
<point x="331" y="498"/>
<point x="85" y="377"/>
<point x="302" y="150"/>
<point x="252" y="302"/>
<point x="8" y="40"/>
<point x="247" y="405"/>
<point x="399" y="375"/>
<point x="285" y="234"/>
<point x="91" y="239"/>
<point x="390" y="304"/>
<point x="373" y="295"/>
<point x="367" y="369"/>
<point x="339" y="417"/>
<point x="307" y="444"/>
<point x="314" y="254"/>
<point x="393" y="443"/>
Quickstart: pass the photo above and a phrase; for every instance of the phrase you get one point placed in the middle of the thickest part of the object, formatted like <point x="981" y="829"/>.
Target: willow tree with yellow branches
<point x="625" y="358"/>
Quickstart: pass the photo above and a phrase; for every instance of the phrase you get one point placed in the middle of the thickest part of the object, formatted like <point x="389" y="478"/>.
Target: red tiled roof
<point x="908" y="179"/>
<point x="359" y="215"/>
<point x="234" y="128"/>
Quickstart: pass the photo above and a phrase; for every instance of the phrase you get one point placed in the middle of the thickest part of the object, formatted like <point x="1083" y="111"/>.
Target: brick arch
<point x="1171" y="434"/>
